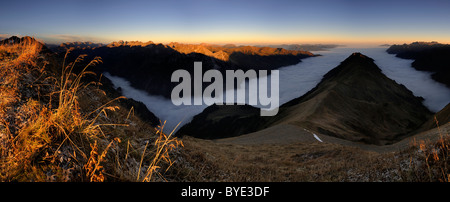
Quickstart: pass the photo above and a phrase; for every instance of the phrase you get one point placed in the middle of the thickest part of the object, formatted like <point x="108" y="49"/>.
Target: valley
<point x="351" y="122"/>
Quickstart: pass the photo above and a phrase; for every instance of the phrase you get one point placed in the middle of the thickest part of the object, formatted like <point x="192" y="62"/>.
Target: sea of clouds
<point x="296" y="80"/>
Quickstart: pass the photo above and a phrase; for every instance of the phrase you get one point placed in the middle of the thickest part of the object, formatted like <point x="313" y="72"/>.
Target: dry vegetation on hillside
<point x="429" y="160"/>
<point x="56" y="127"/>
<point x="422" y="160"/>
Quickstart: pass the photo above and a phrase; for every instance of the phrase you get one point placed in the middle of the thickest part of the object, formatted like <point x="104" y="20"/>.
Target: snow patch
<point x="317" y="137"/>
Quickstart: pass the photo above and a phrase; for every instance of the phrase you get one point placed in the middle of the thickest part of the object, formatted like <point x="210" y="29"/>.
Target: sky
<point x="229" y="21"/>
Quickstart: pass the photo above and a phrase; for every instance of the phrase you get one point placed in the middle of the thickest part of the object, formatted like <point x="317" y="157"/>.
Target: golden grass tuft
<point x="51" y="126"/>
<point x="429" y="160"/>
<point x="58" y="139"/>
<point x="164" y="144"/>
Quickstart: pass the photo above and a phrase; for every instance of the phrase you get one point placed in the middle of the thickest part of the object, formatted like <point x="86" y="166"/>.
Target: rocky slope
<point x="26" y="41"/>
<point x="354" y="101"/>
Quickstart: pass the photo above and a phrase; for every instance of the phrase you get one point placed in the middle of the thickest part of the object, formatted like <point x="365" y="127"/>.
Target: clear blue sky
<point x="229" y="21"/>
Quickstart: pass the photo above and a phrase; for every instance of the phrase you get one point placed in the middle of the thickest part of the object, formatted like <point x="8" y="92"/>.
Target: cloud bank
<point x="298" y="79"/>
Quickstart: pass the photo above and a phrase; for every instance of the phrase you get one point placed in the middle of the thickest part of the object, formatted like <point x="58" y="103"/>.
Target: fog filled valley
<point x="296" y="80"/>
<point x="226" y="91"/>
<point x="94" y="112"/>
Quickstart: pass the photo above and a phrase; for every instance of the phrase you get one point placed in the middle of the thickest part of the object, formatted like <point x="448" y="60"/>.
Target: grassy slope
<point x="38" y="142"/>
<point x="306" y="159"/>
<point x="288" y="152"/>
<point x="54" y="127"/>
<point x="355" y="101"/>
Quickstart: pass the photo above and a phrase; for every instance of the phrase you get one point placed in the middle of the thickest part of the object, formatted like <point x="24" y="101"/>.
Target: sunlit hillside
<point x="59" y="121"/>
<point x="57" y="124"/>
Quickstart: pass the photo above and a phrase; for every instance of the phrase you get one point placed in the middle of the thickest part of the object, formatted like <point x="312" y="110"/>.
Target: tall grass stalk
<point x="164" y="144"/>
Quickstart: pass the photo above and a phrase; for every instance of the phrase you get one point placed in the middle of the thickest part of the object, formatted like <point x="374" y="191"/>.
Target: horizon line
<point x="58" y="41"/>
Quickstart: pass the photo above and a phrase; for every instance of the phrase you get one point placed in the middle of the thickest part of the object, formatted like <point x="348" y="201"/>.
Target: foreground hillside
<point x="56" y="124"/>
<point x="61" y="122"/>
<point x="303" y="158"/>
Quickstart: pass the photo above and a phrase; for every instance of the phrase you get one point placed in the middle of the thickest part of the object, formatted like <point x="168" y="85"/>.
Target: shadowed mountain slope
<point x="354" y="101"/>
<point x="428" y="56"/>
<point x="149" y="66"/>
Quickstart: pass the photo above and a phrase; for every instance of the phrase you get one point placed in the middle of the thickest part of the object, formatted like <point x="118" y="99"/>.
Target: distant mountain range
<point x="139" y="108"/>
<point x="24" y="40"/>
<point x="329" y="134"/>
<point x="149" y="66"/>
<point x="305" y="47"/>
<point x="354" y="101"/>
<point x="428" y="56"/>
<point x="210" y="47"/>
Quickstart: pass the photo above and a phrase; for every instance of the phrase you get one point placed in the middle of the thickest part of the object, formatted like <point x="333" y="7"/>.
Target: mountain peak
<point x="17" y="40"/>
<point x="129" y="43"/>
<point x="358" y="88"/>
<point x="354" y="101"/>
<point x="356" y="64"/>
<point x="26" y="40"/>
<point x="357" y="56"/>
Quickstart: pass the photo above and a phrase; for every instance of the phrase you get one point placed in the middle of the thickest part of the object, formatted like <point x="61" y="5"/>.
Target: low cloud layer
<point x="60" y="38"/>
<point x="298" y="79"/>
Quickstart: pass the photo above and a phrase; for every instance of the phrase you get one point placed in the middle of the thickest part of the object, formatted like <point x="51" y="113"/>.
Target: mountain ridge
<point x="149" y="66"/>
<point x="354" y="101"/>
<point x="428" y="56"/>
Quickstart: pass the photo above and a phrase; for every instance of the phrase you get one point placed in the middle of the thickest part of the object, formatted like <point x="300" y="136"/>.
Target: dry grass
<point x="164" y="144"/>
<point x="52" y="126"/>
<point x="58" y="128"/>
<point x="204" y="160"/>
<point x="429" y="160"/>
<point x="72" y="133"/>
